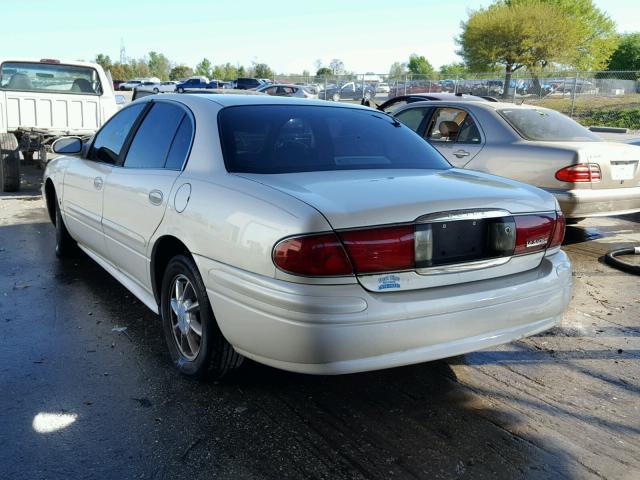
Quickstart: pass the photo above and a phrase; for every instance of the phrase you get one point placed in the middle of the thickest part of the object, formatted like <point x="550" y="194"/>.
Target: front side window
<point x="110" y="139"/>
<point x="286" y="139"/>
<point x="546" y="125"/>
<point x="150" y="146"/>
<point x="412" y="118"/>
<point x="49" y="78"/>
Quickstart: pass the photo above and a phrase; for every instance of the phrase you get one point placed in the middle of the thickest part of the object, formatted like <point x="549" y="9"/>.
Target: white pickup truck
<point x="42" y="100"/>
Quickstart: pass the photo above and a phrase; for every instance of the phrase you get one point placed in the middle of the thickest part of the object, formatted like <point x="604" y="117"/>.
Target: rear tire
<point x="66" y="246"/>
<point x="9" y="163"/>
<point x="336" y="97"/>
<point x="203" y="355"/>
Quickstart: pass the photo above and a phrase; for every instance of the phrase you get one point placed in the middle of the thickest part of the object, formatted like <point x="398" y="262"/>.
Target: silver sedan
<point x="313" y="237"/>
<point x="588" y="176"/>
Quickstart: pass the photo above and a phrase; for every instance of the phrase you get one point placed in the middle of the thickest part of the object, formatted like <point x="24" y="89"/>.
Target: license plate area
<point x="464" y="241"/>
<point x="623" y="170"/>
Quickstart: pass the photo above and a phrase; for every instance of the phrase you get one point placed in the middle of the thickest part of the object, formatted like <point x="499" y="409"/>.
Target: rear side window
<point x="288" y="139"/>
<point x="110" y="139"/>
<point x="50" y="78"/>
<point x="181" y="143"/>
<point x="150" y="147"/>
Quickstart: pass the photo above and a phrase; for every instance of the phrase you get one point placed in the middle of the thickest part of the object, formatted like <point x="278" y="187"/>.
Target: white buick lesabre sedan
<point x="313" y="237"/>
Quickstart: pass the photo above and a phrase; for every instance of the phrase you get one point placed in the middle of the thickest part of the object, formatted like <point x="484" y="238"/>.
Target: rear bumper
<point x="330" y="329"/>
<point x="597" y="203"/>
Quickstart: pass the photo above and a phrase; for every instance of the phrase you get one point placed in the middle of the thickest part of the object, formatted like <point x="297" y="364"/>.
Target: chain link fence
<point x="591" y="98"/>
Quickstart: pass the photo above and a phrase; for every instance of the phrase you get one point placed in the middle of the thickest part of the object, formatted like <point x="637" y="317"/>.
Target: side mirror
<point x="67" y="146"/>
<point x="120" y="100"/>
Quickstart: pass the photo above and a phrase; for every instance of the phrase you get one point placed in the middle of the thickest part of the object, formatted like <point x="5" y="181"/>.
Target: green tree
<point x="262" y="70"/>
<point x="104" y="61"/>
<point x="455" y="69"/>
<point x="596" y="39"/>
<point x="627" y="55"/>
<point x="324" y="72"/>
<point x="180" y="72"/>
<point x="419" y="65"/>
<point x="120" y="71"/>
<point x="397" y="71"/>
<point x="159" y="65"/>
<point x="204" y="68"/>
<point x="524" y="33"/>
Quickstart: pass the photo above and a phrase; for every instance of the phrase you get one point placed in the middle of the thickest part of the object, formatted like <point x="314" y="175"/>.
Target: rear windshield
<point x="297" y="138"/>
<point x="546" y="125"/>
<point x="49" y="78"/>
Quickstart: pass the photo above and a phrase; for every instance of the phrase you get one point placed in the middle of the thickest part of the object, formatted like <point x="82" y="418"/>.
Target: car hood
<point x="356" y="198"/>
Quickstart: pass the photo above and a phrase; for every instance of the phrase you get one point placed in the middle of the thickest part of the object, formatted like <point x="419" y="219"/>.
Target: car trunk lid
<point x="469" y="204"/>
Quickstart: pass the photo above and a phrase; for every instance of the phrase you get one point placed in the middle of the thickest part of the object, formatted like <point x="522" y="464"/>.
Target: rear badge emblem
<point x="388" y="281"/>
<point x="537" y="242"/>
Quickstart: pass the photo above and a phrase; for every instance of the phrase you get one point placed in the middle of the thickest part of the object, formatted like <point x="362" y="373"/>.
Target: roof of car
<point x="478" y="103"/>
<point x="228" y="100"/>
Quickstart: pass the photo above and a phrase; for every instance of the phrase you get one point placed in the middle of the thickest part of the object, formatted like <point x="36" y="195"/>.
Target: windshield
<point x="50" y="78"/>
<point x="296" y="138"/>
<point x="546" y="125"/>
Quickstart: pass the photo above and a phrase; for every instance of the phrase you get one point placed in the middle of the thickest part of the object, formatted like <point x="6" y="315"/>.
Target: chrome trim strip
<point x="463" y="267"/>
<point x="454" y="215"/>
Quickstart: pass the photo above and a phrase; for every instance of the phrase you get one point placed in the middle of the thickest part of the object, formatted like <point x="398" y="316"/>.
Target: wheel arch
<point x="164" y="249"/>
<point x="50" y="199"/>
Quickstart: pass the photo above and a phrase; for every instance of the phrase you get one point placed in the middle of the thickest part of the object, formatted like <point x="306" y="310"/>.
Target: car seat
<point x="19" y="81"/>
<point x="82" y="85"/>
<point x="449" y="130"/>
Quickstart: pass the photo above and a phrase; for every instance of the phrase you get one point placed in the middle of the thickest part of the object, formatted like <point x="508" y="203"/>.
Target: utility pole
<point x="123" y="52"/>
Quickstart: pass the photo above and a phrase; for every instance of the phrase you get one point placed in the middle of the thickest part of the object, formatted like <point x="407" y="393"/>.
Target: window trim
<point x="136" y="126"/>
<point x="57" y="92"/>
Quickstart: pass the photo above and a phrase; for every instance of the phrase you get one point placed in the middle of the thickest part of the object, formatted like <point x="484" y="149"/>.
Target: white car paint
<point x="231" y="222"/>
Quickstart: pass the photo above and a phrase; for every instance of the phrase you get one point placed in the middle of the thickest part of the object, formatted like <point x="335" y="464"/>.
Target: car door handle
<point x="461" y="153"/>
<point x="155" y="197"/>
<point x="97" y="183"/>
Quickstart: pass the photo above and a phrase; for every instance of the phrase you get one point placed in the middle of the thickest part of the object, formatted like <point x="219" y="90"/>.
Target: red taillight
<point x="582" y="172"/>
<point x="533" y="233"/>
<point x="558" y="232"/>
<point x="312" y="255"/>
<point x="385" y="249"/>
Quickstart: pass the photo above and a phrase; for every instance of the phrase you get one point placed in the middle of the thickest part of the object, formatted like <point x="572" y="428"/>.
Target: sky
<point x="288" y="36"/>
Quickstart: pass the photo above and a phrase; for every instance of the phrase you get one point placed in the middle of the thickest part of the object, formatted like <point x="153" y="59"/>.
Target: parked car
<point x="147" y="86"/>
<point x="192" y="84"/>
<point x="129" y="85"/>
<point x="216" y="84"/>
<point x="340" y="241"/>
<point x="635" y="141"/>
<point x="42" y="100"/>
<point x="164" y="87"/>
<point x="395" y="103"/>
<point x="248" y="83"/>
<point x="286" y="90"/>
<point x="543" y="147"/>
<point x="348" y="91"/>
<point x="117" y="83"/>
<point x="383" y="88"/>
<point x="415" y="86"/>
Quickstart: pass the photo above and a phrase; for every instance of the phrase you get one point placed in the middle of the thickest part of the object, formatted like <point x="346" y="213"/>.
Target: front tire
<point x="336" y="97"/>
<point x="196" y="344"/>
<point x="9" y="163"/>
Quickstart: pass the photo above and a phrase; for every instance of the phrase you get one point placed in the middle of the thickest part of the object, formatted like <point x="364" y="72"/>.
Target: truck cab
<point x="42" y="100"/>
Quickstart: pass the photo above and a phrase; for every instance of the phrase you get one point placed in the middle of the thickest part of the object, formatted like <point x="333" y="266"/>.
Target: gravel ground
<point x="564" y="404"/>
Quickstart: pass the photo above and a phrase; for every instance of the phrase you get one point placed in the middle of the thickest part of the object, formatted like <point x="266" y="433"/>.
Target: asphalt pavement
<point x="88" y="390"/>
